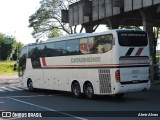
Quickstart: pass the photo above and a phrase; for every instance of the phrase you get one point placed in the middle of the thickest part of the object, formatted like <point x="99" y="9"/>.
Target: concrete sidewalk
<point x="9" y="79"/>
<point x="9" y="76"/>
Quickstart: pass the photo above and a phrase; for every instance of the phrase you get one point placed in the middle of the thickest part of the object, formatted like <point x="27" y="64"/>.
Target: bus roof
<point x="76" y="36"/>
<point x="72" y="36"/>
<point x="81" y="35"/>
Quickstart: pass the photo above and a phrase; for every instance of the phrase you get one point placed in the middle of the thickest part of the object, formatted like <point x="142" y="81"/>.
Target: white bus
<point x="114" y="62"/>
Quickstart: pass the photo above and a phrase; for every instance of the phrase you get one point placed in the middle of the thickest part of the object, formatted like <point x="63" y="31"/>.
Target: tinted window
<point x="86" y="45"/>
<point x="133" y="38"/>
<point x="39" y="50"/>
<point x="50" y="50"/>
<point x="35" y="52"/>
<point x="61" y="48"/>
<point x="103" y="43"/>
<point x="73" y="47"/>
<point x="30" y="51"/>
<point x="22" y="61"/>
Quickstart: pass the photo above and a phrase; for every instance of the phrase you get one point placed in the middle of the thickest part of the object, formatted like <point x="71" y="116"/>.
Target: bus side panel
<point x="36" y="75"/>
<point x="56" y="79"/>
<point x="27" y="73"/>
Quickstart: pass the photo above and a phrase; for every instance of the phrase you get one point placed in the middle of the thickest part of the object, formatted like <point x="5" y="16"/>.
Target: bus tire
<point x="89" y="91"/>
<point x="76" y="90"/>
<point x="30" y="85"/>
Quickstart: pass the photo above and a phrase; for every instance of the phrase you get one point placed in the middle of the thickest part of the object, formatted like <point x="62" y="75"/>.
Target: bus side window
<point x="98" y="45"/>
<point x="73" y="47"/>
<point x="22" y="61"/>
<point x="86" y="45"/>
<point x="61" y="48"/>
<point x="50" y="50"/>
<point x="103" y="43"/>
<point x="108" y="42"/>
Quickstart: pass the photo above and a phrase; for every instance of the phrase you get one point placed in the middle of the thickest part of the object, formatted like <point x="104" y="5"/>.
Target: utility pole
<point x="17" y="52"/>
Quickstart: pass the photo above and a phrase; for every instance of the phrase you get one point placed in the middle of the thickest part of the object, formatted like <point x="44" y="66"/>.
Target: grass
<point x="6" y="67"/>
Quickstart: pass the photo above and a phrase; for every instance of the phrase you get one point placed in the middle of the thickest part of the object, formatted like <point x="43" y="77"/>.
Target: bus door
<point x="35" y="53"/>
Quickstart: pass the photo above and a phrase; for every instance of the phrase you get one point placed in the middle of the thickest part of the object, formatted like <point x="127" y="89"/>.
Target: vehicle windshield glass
<point x="132" y="38"/>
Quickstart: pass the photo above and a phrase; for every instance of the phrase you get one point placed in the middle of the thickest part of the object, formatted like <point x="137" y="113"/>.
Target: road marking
<point x="63" y="113"/>
<point x="11" y="88"/>
<point x="16" y="88"/>
<point x="1" y="102"/>
<point x="25" y="96"/>
<point x="1" y="90"/>
<point x="8" y="89"/>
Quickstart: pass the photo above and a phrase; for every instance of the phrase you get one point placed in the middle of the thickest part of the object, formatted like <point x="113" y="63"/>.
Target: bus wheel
<point x="76" y="90"/>
<point x="89" y="91"/>
<point x="30" y="85"/>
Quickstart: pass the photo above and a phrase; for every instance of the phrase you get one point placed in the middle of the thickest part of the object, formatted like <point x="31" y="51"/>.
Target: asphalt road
<point x="62" y="106"/>
<point x="53" y="105"/>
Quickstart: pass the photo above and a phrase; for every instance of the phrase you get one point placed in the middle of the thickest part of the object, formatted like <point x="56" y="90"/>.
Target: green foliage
<point x="156" y="31"/>
<point x="8" y="50"/>
<point x="130" y="27"/>
<point x="16" y="50"/>
<point x="48" y="18"/>
<point x="5" y="49"/>
<point x="54" y="33"/>
<point x="6" y="67"/>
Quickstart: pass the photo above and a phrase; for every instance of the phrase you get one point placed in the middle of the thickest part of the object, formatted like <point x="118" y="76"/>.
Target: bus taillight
<point x="117" y="75"/>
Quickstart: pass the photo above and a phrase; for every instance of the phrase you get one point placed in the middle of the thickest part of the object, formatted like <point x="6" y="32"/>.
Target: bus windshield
<point x="132" y="38"/>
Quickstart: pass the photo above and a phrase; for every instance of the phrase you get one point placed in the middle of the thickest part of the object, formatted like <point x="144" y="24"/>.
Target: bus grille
<point x="105" y="80"/>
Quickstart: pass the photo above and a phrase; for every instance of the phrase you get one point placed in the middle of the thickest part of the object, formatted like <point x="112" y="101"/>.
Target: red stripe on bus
<point x="96" y="65"/>
<point x="139" y="51"/>
<point x="44" y="61"/>
<point x="82" y="65"/>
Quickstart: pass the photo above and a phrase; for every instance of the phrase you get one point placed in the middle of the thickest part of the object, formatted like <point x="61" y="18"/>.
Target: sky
<point x="14" y="15"/>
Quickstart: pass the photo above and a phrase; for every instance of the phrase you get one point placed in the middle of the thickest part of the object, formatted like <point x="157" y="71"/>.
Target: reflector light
<point x="117" y="75"/>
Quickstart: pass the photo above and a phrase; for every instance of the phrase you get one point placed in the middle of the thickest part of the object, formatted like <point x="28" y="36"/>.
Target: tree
<point x="47" y="18"/>
<point x="54" y="33"/>
<point x="129" y="27"/>
<point x="7" y="50"/>
<point x="16" y="50"/>
<point x="156" y="31"/>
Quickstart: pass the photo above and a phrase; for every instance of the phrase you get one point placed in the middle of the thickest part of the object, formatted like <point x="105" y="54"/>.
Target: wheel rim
<point x="30" y="85"/>
<point x="76" y="90"/>
<point x="89" y="91"/>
